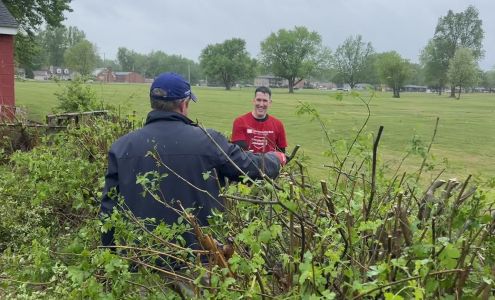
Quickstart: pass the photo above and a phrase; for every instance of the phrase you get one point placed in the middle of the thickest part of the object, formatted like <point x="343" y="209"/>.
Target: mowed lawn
<point x="465" y="140"/>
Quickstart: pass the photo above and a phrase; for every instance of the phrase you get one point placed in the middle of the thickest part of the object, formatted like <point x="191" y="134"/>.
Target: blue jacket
<point x="186" y="152"/>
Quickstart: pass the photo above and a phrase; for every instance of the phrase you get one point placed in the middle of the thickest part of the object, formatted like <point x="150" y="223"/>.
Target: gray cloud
<point x="186" y="27"/>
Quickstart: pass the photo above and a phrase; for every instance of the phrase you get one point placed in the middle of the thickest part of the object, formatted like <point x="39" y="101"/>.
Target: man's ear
<point x="183" y="106"/>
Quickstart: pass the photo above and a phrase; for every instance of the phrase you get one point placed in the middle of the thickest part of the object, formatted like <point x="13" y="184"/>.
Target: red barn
<point x="8" y="28"/>
<point x="129" y="77"/>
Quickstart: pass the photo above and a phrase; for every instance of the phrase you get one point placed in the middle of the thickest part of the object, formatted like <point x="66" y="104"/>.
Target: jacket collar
<point x="157" y="115"/>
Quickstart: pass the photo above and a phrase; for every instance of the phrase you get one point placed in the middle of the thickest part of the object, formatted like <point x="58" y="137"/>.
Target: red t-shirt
<point x="260" y="135"/>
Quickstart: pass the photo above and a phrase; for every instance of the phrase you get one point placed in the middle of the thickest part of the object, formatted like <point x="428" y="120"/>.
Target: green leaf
<point x="265" y="236"/>
<point x="76" y="274"/>
<point x="390" y="296"/>
<point x="452" y="252"/>
<point x="206" y="175"/>
<point x="431" y="286"/>
<point x="488" y="280"/>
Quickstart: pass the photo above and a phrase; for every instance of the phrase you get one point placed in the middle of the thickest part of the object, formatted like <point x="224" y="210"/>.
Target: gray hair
<point x="166" y="105"/>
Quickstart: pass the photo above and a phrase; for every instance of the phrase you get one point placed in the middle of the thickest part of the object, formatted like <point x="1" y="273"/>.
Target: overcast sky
<point x="185" y="27"/>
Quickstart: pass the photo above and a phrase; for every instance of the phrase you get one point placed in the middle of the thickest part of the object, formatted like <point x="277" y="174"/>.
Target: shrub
<point x="357" y="234"/>
<point x="76" y="96"/>
<point x="19" y="137"/>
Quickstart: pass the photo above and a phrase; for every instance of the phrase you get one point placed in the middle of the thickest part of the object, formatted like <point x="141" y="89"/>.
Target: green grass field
<point x="465" y="136"/>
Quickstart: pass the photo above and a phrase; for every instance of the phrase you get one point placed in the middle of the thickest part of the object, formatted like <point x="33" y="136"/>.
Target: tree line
<point x="450" y="58"/>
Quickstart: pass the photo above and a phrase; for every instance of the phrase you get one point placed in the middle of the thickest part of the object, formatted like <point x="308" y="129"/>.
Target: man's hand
<point x="281" y="158"/>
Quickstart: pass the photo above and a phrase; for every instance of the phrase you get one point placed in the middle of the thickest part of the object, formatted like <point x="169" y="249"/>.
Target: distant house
<point x="270" y="81"/>
<point x="129" y="77"/>
<point x="363" y="86"/>
<point x="60" y="73"/>
<point x="324" y="85"/>
<point x="8" y="28"/>
<point x="20" y="73"/>
<point x="41" y="75"/>
<point x="54" y="72"/>
<point x="106" y="75"/>
<point x="414" y="88"/>
<point x="300" y="84"/>
<point x="274" y="81"/>
<point x="343" y="87"/>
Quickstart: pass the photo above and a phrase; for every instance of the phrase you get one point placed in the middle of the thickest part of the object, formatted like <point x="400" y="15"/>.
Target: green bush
<point x="19" y="137"/>
<point x="77" y="96"/>
<point x="357" y="234"/>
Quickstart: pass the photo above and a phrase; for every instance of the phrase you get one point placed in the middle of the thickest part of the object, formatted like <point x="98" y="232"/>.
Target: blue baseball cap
<point x="171" y="86"/>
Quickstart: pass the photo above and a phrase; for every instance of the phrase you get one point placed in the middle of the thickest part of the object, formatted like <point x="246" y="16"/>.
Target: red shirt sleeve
<point x="238" y="131"/>
<point x="281" y="138"/>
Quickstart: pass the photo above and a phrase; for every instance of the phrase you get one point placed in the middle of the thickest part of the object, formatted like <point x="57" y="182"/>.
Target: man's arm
<point x="281" y="138"/>
<point x="234" y="162"/>
<point x="239" y="135"/>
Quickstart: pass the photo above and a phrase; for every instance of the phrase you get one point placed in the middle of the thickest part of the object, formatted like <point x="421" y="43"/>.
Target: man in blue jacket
<point x="185" y="152"/>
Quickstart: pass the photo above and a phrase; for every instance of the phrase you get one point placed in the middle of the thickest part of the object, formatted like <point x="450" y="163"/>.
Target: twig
<point x="303" y="239"/>
<point x="373" y="173"/>
<point x="405" y="280"/>
<point x="331" y="210"/>
<point x="260" y="283"/>
<point x="355" y="139"/>
<point x="243" y="199"/>
<point x="301" y="169"/>
<point x="456" y="204"/>
<point x="165" y="272"/>
<point x="339" y="171"/>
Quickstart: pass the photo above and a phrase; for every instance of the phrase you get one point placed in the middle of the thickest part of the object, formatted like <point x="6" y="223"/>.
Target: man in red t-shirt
<point x="257" y="131"/>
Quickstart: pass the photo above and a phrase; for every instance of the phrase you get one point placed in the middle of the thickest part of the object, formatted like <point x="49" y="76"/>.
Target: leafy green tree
<point x="463" y="70"/>
<point x="108" y="63"/>
<point x="54" y="45"/>
<point x="351" y="60"/>
<point x="489" y="80"/>
<point x="157" y="62"/>
<point x="73" y="36"/>
<point x="371" y="73"/>
<point x="150" y="65"/>
<point x="131" y="60"/>
<point x="56" y="40"/>
<point x="28" y="53"/>
<point x="81" y="57"/>
<point x="393" y="70"/>
<point x="293" y="54"/>
<point x="435" y="63"/>
<point x="187" y="67"/>
<point x="227" y="62"/>
<point x="458" y="30"/>
<point x="416" y="75"/>
<point x="31" y="14"/>
<point x="324" y="74"/>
